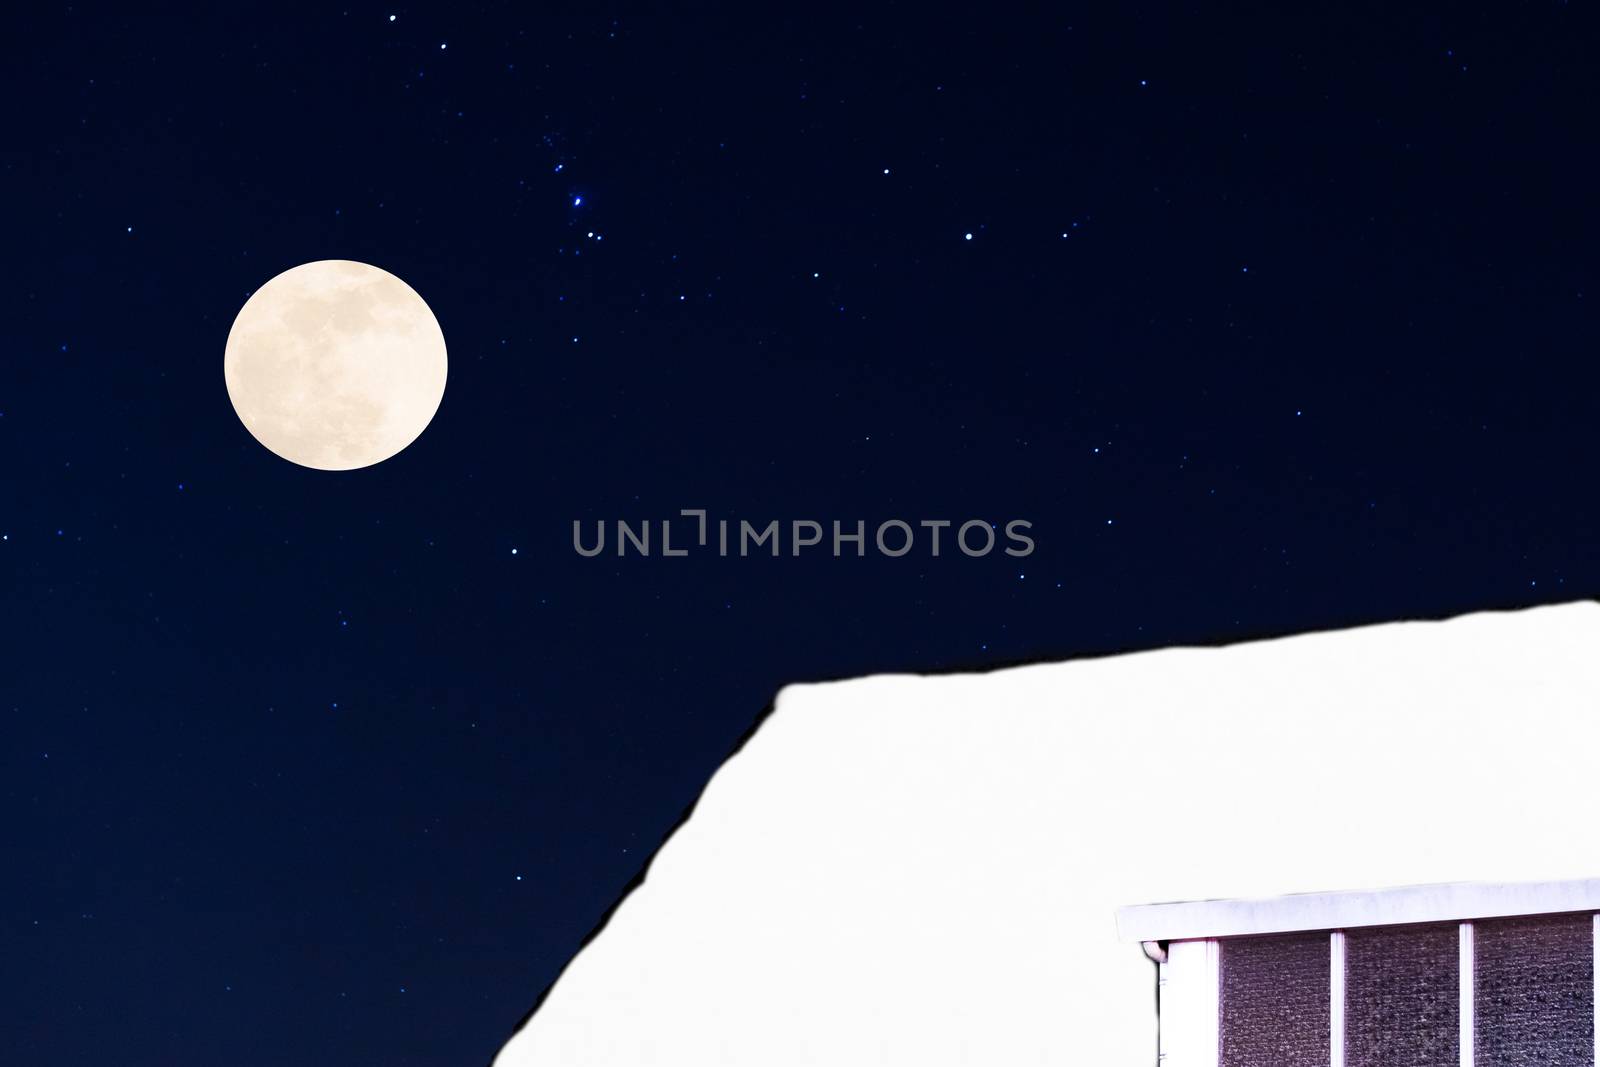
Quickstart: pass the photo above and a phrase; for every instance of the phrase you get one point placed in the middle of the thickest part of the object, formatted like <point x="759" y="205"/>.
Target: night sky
<point x="1266" y="322"/>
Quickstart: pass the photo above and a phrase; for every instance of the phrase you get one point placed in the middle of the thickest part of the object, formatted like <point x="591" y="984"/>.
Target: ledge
<point x="1456" y="901"/>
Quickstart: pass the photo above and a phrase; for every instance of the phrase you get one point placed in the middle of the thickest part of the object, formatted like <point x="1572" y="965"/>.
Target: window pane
<point x="1534" y="996"/>
<point x="1402" y="996"/>
<point x="1275" y="1001"/>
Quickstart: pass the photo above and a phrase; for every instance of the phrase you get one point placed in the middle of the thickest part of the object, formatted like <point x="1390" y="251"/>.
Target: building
<point x="1471" y="974"/>
<point x="926" y="871"/>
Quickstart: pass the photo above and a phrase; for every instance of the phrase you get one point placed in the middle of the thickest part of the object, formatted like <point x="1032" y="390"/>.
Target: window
<point x="1275" y="1001"/>
<point x="1402" y="996"/>
<point x="1533" y="991"/>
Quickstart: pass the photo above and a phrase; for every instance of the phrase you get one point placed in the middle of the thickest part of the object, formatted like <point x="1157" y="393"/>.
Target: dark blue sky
<point x="1269" y="321"/>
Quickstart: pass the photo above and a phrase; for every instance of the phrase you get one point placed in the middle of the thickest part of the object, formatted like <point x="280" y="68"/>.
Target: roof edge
<point x="1191" y="920"/>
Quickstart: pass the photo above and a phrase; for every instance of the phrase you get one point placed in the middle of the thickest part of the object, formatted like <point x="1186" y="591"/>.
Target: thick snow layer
<point x="925" y="870"/>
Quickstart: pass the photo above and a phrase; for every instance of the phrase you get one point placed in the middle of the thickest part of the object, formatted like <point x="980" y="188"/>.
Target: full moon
<point x="335" y="365"/>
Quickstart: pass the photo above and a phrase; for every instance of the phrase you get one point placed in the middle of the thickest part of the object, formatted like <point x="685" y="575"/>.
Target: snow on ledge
<point x="1351" y="909"/>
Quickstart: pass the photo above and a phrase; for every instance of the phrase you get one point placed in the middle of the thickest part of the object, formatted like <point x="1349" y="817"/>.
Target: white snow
<point x="924" y="871"/>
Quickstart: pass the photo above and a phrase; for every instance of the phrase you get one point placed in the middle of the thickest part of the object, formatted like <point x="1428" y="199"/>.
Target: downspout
<point x="1157" y="953"/>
